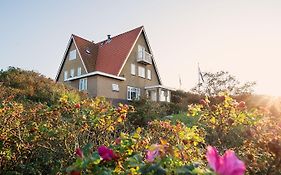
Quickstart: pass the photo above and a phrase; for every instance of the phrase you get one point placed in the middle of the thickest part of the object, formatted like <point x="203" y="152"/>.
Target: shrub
<point x="262" y="149"/>
<point x="131" y="154"/>
<point x="145" y="111"/>
<point x="33" y="87"/>
<point x="40" y="139"/>
<point x="125" y="157"/>
<point x="225" y="123"/>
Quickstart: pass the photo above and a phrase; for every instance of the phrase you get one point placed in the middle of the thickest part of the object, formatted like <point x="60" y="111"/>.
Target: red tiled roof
<point x="88" y="52"/>
<point x="112" y="55"/>
<point x="107" y="57"/>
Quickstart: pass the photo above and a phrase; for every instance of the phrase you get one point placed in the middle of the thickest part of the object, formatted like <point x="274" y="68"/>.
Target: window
<point x="72" y="73"/>
<point x="148" y="74"/>
<point x="133" y="69"/>
<point x="141" y="72"/>
<point x="133" y="93"/>
<point x="141" y="51"/>
<point x="78" y="71"/>
<point x="115" y="87"/>
<point x="83" y="84"/>
<point x="65" y="75"/>
<point x="72" y="55"/>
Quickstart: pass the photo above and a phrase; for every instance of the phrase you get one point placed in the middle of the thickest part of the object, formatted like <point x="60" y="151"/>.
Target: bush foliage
<point x="48" y="128"/>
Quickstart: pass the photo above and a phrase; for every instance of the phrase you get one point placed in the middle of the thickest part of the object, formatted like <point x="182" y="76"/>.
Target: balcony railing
<point x="144" y="57"/>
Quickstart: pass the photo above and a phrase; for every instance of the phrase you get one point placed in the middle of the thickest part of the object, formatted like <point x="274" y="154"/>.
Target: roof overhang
<point x="65" y="55"/>
<point x="150" y="50"/>
<point x="96" y="73"/>
<point x="159" y="86"/>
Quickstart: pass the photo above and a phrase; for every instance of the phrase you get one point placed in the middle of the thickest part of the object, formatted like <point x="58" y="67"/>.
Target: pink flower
<point x="106" y="153"/>
<point x="153" y="152"/>
<point x="228" y="164"/>
<point x="118" y="141"/>
<point x="79" y="152"/>
<point x="151" y="155"/>
<point x="241" y="105"/>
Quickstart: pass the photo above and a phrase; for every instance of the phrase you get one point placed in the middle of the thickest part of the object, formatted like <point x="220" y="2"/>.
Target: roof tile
<point x="107" y="56"/>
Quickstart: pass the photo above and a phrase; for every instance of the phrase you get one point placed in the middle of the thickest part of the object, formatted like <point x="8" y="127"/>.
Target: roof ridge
<point x="82" y="38"/>
<point x="121" y="34"/>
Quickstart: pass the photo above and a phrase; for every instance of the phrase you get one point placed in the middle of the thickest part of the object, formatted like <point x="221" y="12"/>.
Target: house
<point x="119" y="68"/>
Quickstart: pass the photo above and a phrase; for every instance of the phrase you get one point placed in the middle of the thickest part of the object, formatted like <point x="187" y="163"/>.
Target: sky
<point x="238" y="36"/>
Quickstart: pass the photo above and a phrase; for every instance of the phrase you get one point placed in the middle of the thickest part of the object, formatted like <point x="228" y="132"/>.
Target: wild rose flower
<point x="153" y="152"/>
<point x="151" y="155"/>
<point x="79" y="152"/>
<point x="228" y="164"/>
<point x="241" y="105"/>
<point x="203" y="102"/>
<point x="77" y="105"/>
<point x="106" y="153"/>
<point x="118" y="141"/>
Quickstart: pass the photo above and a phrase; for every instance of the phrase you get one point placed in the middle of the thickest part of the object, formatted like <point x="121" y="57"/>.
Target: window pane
<point x="129" y="93"/>
<point x="141" y="71"/>
<point x="72" y="73"/>
<point x="86" y="84"/>
<point x="133" y="69"/>
<point x="65" y="75"/>
<point x="72" y="55"/>
<point x="141" y="51"/>
<point x="79" y="71"/>
<point x="80" y="85"/>
<point x="148" y="74"/>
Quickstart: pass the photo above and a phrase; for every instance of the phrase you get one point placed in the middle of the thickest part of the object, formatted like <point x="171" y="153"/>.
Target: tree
<point x="214" y="83"/>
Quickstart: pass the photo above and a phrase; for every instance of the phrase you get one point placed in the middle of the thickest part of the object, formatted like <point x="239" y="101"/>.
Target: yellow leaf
<point x="213" y="120"/>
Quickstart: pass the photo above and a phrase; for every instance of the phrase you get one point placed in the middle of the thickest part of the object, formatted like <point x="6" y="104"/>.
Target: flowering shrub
<point x="124" y="157"/>
<point x="127" y="156"/>
<point x="39" y="139"/>
<point x="42" y="123"/>
<point x="262" y="149"/>
<point x="188" y="142"/>
<point x="225" y="122"/>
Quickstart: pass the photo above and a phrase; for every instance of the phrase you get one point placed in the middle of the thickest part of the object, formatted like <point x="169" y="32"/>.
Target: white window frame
<point x="115" y="87"/>
<point x="72" y="73"/>
<point x="148" y="74"/>
<point x="72" y="55"/>
<point x="131" y="91"/>
<point x="141" y="51"/>
<point x="83" y="84"/>
<point x="65" y="75"/>
<point x="133" y="69"/>
<point x="79" y="71"/>
<point x="141" y="71"/>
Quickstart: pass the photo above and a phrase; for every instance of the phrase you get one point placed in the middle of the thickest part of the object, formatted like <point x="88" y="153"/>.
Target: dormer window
<point x="72" y="55"/>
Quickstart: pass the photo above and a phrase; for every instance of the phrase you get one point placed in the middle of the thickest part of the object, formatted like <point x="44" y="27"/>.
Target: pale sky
<point x="239" y="36"/>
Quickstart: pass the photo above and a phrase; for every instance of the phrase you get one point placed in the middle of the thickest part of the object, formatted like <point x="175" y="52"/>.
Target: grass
<point x="187" y="120"/>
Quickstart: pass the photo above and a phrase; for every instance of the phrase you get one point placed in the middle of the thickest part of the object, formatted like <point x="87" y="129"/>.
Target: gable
<point x="132" y="59"/>
<point x="68" y="64"/>
<point x="142" y="40"/>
